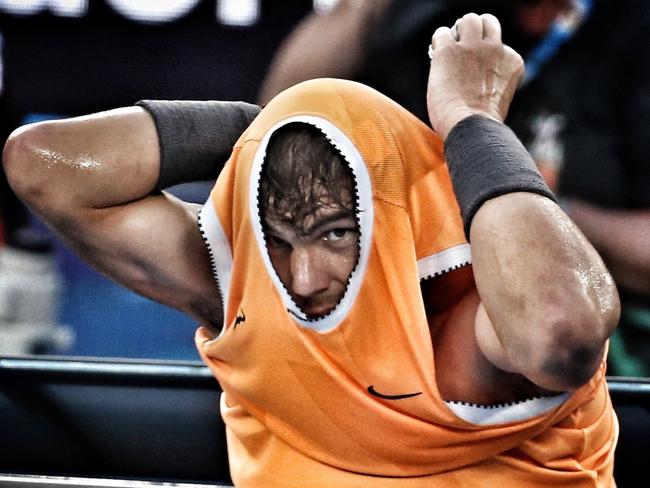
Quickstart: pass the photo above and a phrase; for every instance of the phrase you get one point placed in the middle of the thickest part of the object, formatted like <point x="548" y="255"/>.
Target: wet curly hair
<point x="302" y="170"/>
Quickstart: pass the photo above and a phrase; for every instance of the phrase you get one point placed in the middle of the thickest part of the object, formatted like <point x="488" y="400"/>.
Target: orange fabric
<point x="296" y="401"/>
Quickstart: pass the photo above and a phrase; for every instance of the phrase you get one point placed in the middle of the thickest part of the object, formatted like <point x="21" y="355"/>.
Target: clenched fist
<point x="472" y="72"/>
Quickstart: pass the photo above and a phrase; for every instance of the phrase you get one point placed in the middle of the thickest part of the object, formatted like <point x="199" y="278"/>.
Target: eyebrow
<point x="340" y="214"/>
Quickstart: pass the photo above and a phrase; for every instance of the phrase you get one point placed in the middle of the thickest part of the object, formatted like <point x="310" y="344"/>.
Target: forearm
<point x="78" y="174"/>
<point x="548" y="295"/>
<point x="622" y="237"/>
<point x="77" y="162"/>
<point x="116" y="157"/>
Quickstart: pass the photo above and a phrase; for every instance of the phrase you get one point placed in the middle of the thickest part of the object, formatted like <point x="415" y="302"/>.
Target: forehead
<point x="304" y="180"/>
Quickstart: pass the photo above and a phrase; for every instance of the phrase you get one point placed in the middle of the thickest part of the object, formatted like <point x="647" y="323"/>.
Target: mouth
<point x="315" y="310"/>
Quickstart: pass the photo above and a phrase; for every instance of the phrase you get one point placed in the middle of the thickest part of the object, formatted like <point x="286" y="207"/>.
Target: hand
<point x="472" y="72"/>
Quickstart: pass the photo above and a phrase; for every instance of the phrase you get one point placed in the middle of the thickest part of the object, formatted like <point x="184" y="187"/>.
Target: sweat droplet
<point x="52" y="158"/>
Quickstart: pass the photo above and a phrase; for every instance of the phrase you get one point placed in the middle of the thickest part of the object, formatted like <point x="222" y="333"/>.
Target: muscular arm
<point x="548" y="304"/>
<point x="323" y="45"/>
<point x="90" y="178"/>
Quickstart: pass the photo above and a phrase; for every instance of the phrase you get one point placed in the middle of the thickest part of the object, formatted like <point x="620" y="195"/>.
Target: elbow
<point x="569" y="366"/>
<point x="19" y="160"/>
<point x="571" y="349"/>
<point x="11" y="160"/>
<point x="33" y="168"/>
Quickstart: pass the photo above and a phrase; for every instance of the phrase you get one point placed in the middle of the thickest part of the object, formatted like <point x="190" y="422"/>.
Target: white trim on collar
<point x="444" y="261"/>
<point x="219" y="251"/>
<point x="506" y="413"/>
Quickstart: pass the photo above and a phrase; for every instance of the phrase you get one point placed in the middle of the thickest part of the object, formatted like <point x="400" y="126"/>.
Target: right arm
<point x="91" y="179"/>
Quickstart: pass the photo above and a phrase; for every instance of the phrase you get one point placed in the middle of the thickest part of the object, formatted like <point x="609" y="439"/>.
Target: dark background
<point x="103" y="59"/>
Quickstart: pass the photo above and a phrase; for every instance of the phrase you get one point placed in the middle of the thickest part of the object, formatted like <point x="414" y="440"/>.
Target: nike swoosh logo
<point x="373" y="392"/>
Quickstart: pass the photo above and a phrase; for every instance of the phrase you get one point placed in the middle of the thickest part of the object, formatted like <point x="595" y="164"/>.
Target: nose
<point x="308" y="272"/>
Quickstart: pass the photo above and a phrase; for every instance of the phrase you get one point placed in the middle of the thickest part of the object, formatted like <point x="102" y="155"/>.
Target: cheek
<point x="343" y="263"/>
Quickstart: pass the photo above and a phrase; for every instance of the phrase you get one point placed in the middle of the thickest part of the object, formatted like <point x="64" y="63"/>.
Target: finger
<point x="442" y="37"/>
<point x="491" y="28"/>
<point x="470" y="28"/>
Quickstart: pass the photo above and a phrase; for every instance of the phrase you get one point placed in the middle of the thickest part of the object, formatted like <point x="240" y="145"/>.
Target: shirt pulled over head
<point x="346" y="383"/>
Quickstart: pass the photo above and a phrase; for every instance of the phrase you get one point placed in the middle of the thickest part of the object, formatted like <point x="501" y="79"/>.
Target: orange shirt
<point x="344" y="399"/>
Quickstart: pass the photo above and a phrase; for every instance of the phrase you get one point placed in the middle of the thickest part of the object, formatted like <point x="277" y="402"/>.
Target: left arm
<point x="548" y="303"/>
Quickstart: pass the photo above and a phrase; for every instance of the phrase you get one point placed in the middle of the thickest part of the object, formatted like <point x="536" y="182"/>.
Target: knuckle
<point x="513" y="55"/>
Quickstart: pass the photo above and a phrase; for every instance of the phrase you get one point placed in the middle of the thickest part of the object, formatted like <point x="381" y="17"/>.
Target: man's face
<point x="314" y="258"/>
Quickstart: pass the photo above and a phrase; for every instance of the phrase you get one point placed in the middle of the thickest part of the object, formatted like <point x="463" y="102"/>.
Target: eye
<point x="339" y="234"/>
<point x="335" y="234"/>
